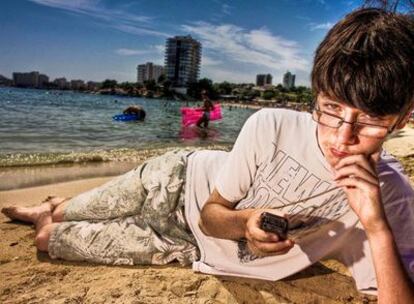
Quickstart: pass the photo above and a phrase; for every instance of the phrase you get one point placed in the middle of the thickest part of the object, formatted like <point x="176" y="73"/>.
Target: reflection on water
<point x="193" y="133"/>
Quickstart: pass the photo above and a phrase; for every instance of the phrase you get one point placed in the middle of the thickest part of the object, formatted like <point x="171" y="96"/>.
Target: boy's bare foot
<point x="54" y="200"/>
<point x="27" y="214"/>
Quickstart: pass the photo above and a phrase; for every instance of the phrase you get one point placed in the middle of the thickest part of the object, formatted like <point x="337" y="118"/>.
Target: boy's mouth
<point x="338" y="153"/>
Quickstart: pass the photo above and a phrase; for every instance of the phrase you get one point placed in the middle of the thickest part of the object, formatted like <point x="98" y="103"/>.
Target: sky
<point x="105" y="39"/>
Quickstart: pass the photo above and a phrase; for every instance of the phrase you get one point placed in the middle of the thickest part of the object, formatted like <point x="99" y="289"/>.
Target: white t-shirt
<point x="276" y="163"/>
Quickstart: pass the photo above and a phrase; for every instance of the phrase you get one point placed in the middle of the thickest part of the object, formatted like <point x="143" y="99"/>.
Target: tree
<point x="268" y="95"/>
<point x="302" y="89"/>
<point x="150" y="85"/>
<point x="225" y="88"/>
<point x="109" y="84"/>
<point x="281" y="88"/>
<point x="253" y="94"/>
<point x="194" y="89"/>
<point x="166" y="91"/>
<point x="391" y="6"/>
<point x="162" y="78"/>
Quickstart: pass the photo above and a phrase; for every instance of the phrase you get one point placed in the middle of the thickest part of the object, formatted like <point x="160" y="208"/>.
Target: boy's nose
<point x="346" y="133"/>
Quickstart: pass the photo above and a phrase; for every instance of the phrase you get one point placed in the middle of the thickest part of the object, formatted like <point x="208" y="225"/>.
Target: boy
<point x="326" y="173"/>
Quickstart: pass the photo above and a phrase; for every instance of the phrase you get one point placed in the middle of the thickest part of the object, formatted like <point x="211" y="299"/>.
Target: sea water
<point x="46" y="127"/>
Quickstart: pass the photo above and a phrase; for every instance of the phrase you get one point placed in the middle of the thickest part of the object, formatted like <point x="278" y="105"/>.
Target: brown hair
<point x="367" y="61"/>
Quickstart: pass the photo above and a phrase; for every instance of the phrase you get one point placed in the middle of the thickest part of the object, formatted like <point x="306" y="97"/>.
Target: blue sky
<point x="99" y="39"/>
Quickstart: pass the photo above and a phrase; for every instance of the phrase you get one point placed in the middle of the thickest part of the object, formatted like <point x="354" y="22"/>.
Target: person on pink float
<point x="207" y="107"/>
<point x="326" y="174"/>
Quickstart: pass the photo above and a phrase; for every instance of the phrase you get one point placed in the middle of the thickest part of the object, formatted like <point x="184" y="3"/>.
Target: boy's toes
<point x="10" y="212"/>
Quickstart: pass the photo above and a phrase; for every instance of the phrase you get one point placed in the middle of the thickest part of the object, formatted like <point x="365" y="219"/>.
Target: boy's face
<point x="346" y="140"/>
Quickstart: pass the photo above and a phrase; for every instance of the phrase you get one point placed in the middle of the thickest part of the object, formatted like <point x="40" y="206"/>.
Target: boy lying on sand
<point x="325" y="172"/>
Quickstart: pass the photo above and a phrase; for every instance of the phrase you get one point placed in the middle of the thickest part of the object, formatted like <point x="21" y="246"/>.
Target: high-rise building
<point x="61" y="83"/>
<point x="149" y="71"/>
<point x="182" y="60"/>
<point x="29" y="80"/>
<point x="92" y="85"/>
<point x="289" y="80"/>
<point x="77" y="84"/>
<point x="43" y="81"/>
<point x="263" y="80"/>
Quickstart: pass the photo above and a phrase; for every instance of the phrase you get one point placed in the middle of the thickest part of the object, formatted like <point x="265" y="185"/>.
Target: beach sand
<point x="28" y="276"/>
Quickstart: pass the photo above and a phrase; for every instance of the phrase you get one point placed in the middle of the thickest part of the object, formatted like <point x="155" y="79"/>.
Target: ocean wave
<point x="97" y="156"/>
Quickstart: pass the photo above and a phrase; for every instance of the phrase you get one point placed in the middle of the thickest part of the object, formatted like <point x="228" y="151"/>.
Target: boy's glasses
<point x="358" y="128"/>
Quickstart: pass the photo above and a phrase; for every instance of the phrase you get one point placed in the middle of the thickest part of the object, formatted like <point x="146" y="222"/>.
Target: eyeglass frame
<point x="341" y="121"/>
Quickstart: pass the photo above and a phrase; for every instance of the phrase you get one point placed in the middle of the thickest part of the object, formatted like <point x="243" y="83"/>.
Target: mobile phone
<point x="270" y="222"/>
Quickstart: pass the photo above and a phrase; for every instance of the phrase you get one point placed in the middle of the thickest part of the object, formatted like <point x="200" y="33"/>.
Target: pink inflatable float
<point x="190" y="116"/>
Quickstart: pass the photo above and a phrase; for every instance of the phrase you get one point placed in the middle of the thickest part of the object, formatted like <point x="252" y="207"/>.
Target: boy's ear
<point x="404" y="121"/>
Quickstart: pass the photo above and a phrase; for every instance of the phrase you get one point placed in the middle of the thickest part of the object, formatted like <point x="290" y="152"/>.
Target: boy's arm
<point x="218" y="214"/>
<point x="358" y="177"/>
<point x="219" y="219"/>
<point x="394" y="285"/>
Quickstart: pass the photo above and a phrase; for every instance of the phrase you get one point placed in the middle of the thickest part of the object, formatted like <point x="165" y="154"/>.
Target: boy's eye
<point x="331" y="107"/>
<point x="370" y="118"/>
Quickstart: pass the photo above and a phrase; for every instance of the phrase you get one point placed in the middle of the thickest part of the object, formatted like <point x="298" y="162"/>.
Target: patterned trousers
<point x="136" y="218"/>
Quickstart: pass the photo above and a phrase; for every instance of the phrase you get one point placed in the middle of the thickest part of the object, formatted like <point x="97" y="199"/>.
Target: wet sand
<point x="28" y="276"/>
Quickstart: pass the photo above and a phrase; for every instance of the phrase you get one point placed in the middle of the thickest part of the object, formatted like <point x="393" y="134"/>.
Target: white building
<point x="182" y="61"/>
<point x="289" y="80"/>
<point x="264" y="80"/>
<point x="30" y="80"/>
<point x="149" y="71"/>
<point x="43" y="80"/>
<point x="61" y="83"/>
<point x="77" y="84"/>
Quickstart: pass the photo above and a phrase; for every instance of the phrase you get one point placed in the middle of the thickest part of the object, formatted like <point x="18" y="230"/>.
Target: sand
<point x="28" y="276"/>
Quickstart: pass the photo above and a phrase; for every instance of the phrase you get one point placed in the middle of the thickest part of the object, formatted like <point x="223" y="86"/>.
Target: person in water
<point x="135" y="110"/>
<point x="326" y="172"/>
<point x="207" y="107"/>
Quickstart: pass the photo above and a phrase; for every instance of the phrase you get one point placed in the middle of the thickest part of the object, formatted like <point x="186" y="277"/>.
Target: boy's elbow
<point x="203" y="227"/>
<point x="203" y="221"/>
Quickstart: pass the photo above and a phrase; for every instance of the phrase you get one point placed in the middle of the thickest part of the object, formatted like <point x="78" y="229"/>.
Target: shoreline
<point x="106" y="163"/>
<point x="33" y="176"/>
<point x="100" y="164"/>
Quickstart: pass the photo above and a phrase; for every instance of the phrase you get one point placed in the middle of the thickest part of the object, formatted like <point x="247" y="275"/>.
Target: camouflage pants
<point x="137" y="218"/>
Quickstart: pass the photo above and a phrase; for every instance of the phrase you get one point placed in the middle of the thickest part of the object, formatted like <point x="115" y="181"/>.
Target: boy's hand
<point x="357" y="175"/>
<point x="262" y="243"/>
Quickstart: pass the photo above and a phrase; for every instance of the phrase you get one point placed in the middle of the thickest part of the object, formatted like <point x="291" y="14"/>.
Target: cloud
<point x="305" y="18"/>
<point x="155" y="50"/>
<point x="226" y="9"/>
<point x="349" y="2"/>
<point x="218" y="74"/>
<point x="321" y="26"/>
<point x="94" y="9"/>
<point x="206" y="60"/>
<point x="255" y="47"/>
<point x="131" y="29"/>
<point x="153" y="53"/>
<point x="159" y="48"/>
<point x="130" y="52"/>
<point x="115" y="18"/>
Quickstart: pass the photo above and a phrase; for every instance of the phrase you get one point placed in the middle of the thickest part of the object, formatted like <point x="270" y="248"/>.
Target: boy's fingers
<point x="257" y="234"/>
<point x="273" y="247"/>
<point x="354" y="171"/>
<point x="355" y="183"/>
<point x="359" y="160"/>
